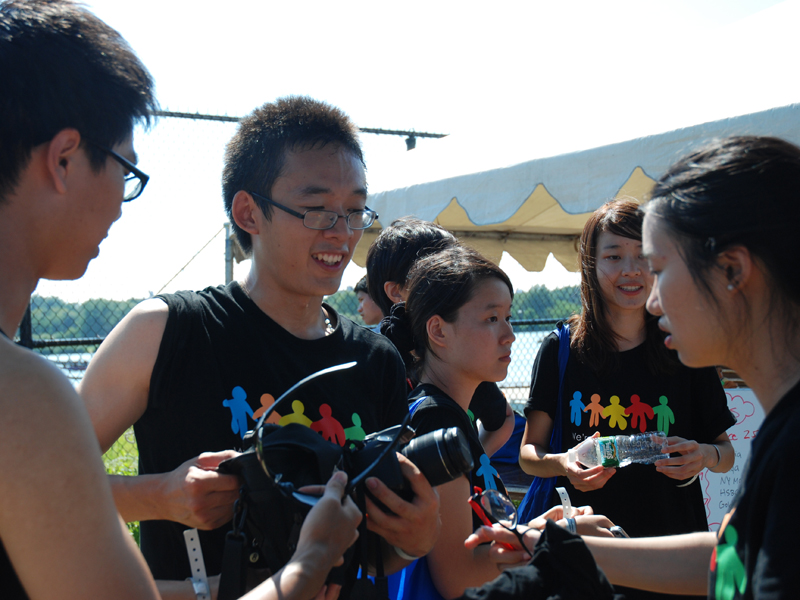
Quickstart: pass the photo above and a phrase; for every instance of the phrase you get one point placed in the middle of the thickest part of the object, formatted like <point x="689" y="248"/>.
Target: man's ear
<point x="737" y="264"/>
<point x="435" y="328"/>
<point x="245" y="211"/>
<point x="394" y="291"/>
<point x="60" y="155"/>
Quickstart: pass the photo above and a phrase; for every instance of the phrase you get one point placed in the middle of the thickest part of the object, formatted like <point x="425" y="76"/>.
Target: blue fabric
<point x="536" y="499"/>
<point x="413" y="583"/>
<point x="509" y="452"/>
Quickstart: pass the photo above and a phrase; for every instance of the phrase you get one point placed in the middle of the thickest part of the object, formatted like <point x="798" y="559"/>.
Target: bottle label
<point x="607" y="452"/>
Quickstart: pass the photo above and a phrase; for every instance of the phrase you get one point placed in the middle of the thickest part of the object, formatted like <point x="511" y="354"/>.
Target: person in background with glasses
<point x="188" y="369"/>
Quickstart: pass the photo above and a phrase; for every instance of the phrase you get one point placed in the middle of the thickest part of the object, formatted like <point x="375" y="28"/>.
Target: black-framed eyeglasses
<point x="135" y="180"/>
<point x="324" y="219"/>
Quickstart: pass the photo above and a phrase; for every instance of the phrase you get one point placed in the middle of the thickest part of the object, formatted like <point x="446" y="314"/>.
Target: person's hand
<point x="691" y="461"/>
<point x="586" y="480"/>
<point x="499" y="552"/>
<point x="414" y="526"/>
<point x="330" y="528"/>
<point x="586" y="522"/>
<point x="591" y="525"/>
<point x="196" y="495"/>
<point x="556" y="514"/>
<point x="329" y="591"/>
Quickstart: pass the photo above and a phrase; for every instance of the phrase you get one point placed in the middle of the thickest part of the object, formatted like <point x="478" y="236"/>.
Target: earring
<point x="731" y="286"/>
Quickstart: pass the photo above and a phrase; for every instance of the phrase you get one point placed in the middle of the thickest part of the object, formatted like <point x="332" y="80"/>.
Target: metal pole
<point x="228" y="254"/>
<point x="26" y="330"/>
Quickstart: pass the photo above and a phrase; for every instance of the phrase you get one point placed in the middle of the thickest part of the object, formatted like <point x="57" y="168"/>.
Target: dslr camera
<point x="278" y="461"/>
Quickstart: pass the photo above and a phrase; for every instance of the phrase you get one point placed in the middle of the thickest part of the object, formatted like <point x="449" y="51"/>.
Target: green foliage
<point x="541" y="303"/>
<point x="536" y="303"/>
<point x="123" y="459"/>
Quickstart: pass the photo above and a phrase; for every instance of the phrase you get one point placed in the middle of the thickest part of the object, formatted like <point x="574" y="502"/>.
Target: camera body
<point x="283" y="459"/>
<point x="440" y="455"/>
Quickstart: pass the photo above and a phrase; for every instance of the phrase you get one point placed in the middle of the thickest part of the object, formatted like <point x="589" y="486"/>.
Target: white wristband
<point x="405" y="556"/>
<point x="199" y="579"/>
<point x="565" y="503"/>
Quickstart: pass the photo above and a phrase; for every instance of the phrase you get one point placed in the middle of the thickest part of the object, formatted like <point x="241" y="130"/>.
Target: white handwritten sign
<point x="720" y="488"/>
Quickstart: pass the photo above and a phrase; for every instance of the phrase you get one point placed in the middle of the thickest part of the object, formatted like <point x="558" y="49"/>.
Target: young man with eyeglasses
<point x="193" y="370"/>
<point x="71" y="93"/>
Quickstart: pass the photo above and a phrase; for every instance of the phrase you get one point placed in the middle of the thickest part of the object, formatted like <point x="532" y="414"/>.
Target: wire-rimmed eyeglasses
<point x="135" y="180"/>
<point x="324" y="219"/>
<point x="491" y="507"/>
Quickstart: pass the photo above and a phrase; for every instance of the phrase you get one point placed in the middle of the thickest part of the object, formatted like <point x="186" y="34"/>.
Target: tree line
<point x="53" y="318"/>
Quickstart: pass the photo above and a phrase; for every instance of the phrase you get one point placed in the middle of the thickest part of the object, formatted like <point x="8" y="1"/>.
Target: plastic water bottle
<point x="620" y="450"/>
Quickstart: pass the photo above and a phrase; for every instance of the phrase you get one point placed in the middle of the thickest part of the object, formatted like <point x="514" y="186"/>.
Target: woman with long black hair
<point x="620" y="379"/>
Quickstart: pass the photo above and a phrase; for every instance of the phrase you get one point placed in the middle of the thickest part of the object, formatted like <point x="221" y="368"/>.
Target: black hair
<point x="256" y="154"/>
<point x="591" y="334"/>
<point x="361" y="286"/>
<point x="396" y="249"/>
<point x="738" y="191"/>
<point x="62" y="67"/>
<point x="438" y="284"/>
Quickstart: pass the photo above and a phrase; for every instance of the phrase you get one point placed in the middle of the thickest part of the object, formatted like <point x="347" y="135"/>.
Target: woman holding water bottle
<point x="620" y="379"/>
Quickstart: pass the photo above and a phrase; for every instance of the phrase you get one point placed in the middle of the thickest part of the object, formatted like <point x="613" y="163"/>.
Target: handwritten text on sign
<point x="720" y="488"/>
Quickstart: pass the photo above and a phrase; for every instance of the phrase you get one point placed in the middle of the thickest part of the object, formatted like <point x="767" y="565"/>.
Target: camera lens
<point x="441" y="455"/>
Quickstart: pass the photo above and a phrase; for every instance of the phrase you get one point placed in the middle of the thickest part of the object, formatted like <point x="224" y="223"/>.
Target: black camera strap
<point x="365" y="588"/>
<point x="232" y="584"/>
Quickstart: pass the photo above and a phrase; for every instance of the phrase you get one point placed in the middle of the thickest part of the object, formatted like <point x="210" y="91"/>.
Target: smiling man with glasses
<point x="195" y="367"/>
<point x="323" y="219"/>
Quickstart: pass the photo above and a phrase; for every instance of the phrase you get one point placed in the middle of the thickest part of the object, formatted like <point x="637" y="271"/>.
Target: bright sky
<point x="513" y="79"/>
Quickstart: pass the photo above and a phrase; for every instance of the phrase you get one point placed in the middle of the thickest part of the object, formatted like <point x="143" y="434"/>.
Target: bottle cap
<point x="571" y="455"/>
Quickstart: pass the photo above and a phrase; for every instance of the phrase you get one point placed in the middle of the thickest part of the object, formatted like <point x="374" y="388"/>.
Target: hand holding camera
<point x="411" y="525"/>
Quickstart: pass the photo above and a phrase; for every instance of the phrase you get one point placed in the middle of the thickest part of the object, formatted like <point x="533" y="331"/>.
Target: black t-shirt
<point x="629" y="399"/>
<point x="489" y="405"/>
<point x="439" y="411"/>
<point x="222" y="361"/>
<point x="757" y="552"/>
<point x="9" y="582"/>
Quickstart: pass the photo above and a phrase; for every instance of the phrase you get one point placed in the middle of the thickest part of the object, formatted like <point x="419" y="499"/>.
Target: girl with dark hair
<point x="455" y="330"/>
<point x="621" y="380"/>
<point x="455" y="333"/>
<point x="719" y="235"/>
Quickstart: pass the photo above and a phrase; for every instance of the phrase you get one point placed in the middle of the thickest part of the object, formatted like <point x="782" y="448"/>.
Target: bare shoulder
<point x="136" y="337"/>
<point x="43" y="421"/>
<point x="116" y="384"/>
<point x="58" y="523"/>
<point x="28" y="382"/>
<point x="145" y="323"/>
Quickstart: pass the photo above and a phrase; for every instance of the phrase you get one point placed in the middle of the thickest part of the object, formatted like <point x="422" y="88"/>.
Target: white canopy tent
<point x="537" y="207"/>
